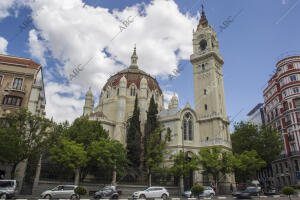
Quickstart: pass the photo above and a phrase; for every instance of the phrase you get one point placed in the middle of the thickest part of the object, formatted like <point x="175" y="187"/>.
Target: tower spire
<point x="203" y="21"/>
<point x="134" y="59"/>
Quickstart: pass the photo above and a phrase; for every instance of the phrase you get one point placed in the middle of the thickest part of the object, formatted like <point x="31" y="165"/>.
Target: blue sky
<point x="66" y="33"/>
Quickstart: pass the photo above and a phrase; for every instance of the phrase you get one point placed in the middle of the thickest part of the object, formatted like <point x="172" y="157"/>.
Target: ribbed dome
<point x="132" y="76"/>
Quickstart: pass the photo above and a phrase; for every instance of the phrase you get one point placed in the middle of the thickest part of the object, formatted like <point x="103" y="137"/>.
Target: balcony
<point x="288" y="123"/>
<point x="16" y="91"/>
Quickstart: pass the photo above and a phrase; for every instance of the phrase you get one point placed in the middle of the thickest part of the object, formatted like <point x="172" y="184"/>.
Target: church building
<point x="191" y="128"/>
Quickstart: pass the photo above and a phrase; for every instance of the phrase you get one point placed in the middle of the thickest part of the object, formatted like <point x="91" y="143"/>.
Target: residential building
<point x="282" y="111"/>
<point x="256" y="115"/>
<point x="21" y="86"/>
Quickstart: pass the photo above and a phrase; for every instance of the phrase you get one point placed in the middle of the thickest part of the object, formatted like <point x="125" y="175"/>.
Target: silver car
<point x="208" y="192"/>
<point x="60" y="191"/>
<point x="8" y="188"/>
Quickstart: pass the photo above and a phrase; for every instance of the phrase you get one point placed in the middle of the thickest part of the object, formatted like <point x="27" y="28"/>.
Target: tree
<point x="197" y="190"/>
<point x="216" y="162"/>
<point x="71" y="154"/>
<point x="182" y="166"/>
<point x="134" y="138"/>
<point x="265" y="140"/>
<point x="84" y="131"/>
<point x="80" y="191"/>
<point x="288" y="191"/>
<point x="108" y="154"/>
<point x="21" y="135"/>
<point x="152" y="122"/>
<point x="155" y="150"/>
<point x="247" y="164"/>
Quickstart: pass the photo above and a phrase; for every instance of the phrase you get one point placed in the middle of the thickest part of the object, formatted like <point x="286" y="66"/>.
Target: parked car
<point x="270" y="190"/>
<point x="151" y="192"/>
<point x="108" y="192"/>
<point x="208" y="192"/>
<point x="8" y="189"/>
<point x="247" y="193"/>
<point x="60" y="191"/>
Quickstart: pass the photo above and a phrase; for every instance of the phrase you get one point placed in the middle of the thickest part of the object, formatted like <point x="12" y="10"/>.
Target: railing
<point x="217" y="141"/>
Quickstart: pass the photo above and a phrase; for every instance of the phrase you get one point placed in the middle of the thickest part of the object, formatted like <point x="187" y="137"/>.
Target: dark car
<point x="108" y="192"/>
<point x="247" y="193"/>
<point x="270" y="191"/>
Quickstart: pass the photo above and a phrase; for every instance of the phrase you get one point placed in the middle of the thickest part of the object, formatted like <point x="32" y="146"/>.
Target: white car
<point x="60" y="191"/>
<point x="151" y="192"/>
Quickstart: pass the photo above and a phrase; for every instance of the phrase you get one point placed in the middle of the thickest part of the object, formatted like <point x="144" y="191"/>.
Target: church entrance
<point x="189" y="178"/>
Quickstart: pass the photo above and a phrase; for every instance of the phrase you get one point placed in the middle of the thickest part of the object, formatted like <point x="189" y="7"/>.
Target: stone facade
<point x="191" y="129"/>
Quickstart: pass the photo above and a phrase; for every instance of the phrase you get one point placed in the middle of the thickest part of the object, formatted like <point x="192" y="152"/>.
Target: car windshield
<point x="5" y="184"/>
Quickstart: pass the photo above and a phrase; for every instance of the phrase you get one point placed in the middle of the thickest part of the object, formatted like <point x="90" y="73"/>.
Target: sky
<point x="98" y="36"/>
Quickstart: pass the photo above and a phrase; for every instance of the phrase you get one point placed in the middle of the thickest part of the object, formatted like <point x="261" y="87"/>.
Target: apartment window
<point x="281" y="168"/>
<point x="204" y="91"/>
<point x="276" y="168"/>
<point x="297" y="103"/>
<point x="205" y="106"/>
<point x="295" y="90"/>
<point x="293" y="77"/>
<point x="17" y="83"/>
<point x="12" y="100"/>
<point x="203" y="67"/>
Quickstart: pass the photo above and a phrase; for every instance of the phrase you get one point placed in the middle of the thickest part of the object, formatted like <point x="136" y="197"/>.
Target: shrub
<point x="197" y="190"/>
<point x="80" y="190"/>
<point x="288" y="191"/>
<point x="298" y="186"/>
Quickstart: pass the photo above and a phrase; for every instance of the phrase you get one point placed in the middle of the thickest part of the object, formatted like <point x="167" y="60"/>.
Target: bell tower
<point x="208" y="86"/>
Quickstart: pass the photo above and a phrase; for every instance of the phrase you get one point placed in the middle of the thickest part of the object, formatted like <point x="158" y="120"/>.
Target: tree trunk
<point x="12" y="172"/>
<point x="37" y="174"/>
<point x="149" y="177"/>
<point x="77" y="172"/>
<point x="114" y="176"/>
<point x="181" y="184"/>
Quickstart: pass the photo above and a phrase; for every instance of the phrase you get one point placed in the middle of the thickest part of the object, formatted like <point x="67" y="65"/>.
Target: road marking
<point x="222" y="197"/>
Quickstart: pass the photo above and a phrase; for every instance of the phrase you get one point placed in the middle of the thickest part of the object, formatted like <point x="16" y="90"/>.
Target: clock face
<point x="203" y="44"/>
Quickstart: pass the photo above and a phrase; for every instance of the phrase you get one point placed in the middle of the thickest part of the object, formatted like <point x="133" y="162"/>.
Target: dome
<point x="133" y="75"/>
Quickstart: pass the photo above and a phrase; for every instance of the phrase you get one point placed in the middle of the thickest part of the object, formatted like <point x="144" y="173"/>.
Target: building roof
<point x="169" y="112"/>
<point x="19" y="61"/>
<point x="255" y="109"/>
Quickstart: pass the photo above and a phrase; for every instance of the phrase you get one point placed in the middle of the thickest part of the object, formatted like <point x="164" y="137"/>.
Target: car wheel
<point x="98" y="197"/>
<point x="3" y="196"/>
<point x="164" y="196"/>
<point x="74" y="196"/>
<point x="211" y="195"/>
<point x="48" y="196"/>
<point x="142" y="196"/>
<point x="115" y="196"/>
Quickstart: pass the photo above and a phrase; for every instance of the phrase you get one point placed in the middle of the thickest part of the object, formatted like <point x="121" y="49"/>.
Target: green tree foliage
<point x="108" y="154"/>
<point x="69" y="153"/>
<point x="216" y="162"/>
<point x="152" y="122"/>
<point x="21" y="135"/>
<point x="182" y="166"/>
<point x="246" y="165"/>
<point x="134" y="137"/>
<point x="155" y="150"/>
<point x="288" y="191"/>
<point x="80" y="190"/>
<point x="264" y="139"/>
<point x="197" y="190"/>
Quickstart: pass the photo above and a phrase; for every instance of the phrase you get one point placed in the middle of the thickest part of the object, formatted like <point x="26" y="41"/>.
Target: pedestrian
<point x="231" y="187"/>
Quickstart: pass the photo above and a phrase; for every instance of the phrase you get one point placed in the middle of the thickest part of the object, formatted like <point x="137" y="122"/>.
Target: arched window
<point x="107" y="94"/>
<point x="132" y="91"/>
<point x="188" y="126"/>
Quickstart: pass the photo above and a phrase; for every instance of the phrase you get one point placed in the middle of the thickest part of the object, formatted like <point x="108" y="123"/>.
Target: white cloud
<point x="36" y="47"/>
<point x="3" y="45"/>
<point x="73" y="33"/>
<point x="4" y="7"/>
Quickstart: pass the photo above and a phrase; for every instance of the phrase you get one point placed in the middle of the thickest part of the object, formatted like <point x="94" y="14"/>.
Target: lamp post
<point x="181" y="177"/>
